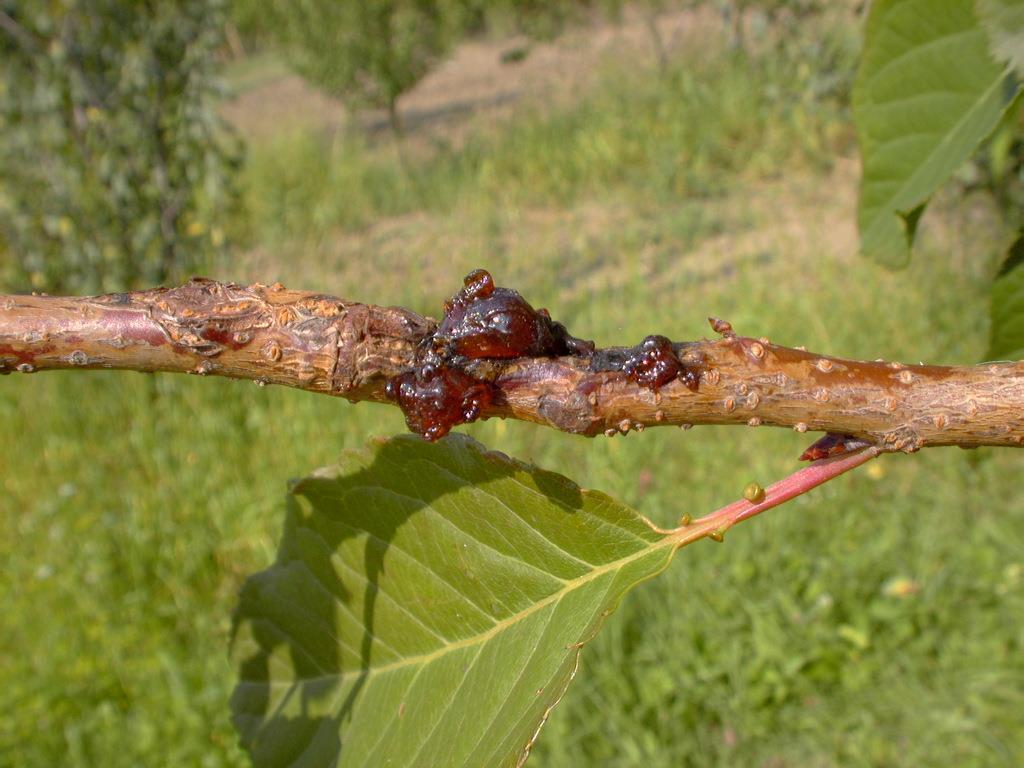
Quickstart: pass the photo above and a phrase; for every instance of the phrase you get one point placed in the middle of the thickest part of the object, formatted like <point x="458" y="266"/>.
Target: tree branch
<point x="339" y="347"/>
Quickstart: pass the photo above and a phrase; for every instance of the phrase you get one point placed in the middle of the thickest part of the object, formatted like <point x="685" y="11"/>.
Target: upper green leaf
<point x="1007" y="339"/>
<point x="427" y="606"/>
<point x="927" y="92"/>
<point x="1003" y="20"/>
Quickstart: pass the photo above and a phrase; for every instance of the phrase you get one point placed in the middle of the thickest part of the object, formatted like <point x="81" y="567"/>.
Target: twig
<point x="715" y="524"/>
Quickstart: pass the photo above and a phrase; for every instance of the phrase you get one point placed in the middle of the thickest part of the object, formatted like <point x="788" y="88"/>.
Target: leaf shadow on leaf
<point x="1006" y="332"/>
<point x="303" y="726"/>
<point x="909" y="220"/>
<point x="1014" y="257"/>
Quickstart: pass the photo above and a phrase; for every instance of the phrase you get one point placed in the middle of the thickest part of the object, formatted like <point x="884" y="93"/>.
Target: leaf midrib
<point x="996" y="83"/>
<point x="497" y="628"/>
<point x="890" y="203"/>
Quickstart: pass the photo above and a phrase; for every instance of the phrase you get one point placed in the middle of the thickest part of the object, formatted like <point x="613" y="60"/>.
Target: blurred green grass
<point x="876" y="621"/>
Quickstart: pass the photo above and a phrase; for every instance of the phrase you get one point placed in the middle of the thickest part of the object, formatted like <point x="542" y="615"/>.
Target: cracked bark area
<point x="325" y="344"/>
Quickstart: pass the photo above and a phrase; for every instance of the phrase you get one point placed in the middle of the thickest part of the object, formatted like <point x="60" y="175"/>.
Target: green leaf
<point x="927" y="93"/>
<point x="1003" y="20"/>
<point x="1007" y="339"/>
<point x="428" y="606"/>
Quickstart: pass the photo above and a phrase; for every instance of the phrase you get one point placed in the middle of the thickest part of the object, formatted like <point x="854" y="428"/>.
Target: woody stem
<point x="345" y="348"/>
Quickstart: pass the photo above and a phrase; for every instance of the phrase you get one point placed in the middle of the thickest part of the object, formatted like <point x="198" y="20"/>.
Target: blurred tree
<point x="537" y="19"/>
<point x="114" y="166"/>
<point x="251" y="21"/>
<point x="365" y="53"/>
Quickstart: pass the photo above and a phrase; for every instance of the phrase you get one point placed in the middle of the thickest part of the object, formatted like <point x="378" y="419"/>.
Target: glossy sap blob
<point x="481" y="322"/>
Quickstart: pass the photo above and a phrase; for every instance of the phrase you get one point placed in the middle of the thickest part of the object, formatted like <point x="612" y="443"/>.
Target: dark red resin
<point x="480" y="322"/>
<point x="832" y="444"/>
<point x="435" y="398"/>
<point x="222" y="337"/>
<point x="484" y="322"/>
<point x="22" y="356"/>
<point x="653" y="364"/>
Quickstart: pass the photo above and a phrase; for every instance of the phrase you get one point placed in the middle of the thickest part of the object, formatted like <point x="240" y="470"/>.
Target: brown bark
<point x="324" y="344"/>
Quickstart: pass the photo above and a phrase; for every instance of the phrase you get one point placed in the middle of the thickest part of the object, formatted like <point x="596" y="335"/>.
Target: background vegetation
<point x="114" y="167"/>
<point x="875" y="621"/>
